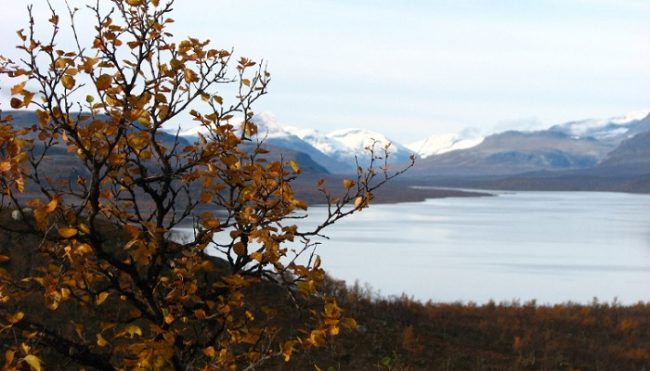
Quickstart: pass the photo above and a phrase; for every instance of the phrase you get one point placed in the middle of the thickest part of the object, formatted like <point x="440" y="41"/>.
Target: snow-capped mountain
<point x="268" y="127"/>
<point x="611" y="129"/>
<point x="353" y="142"/>
<point x="336" y="150"/>
<point x="573" y="145"/>
<point x="308" y="141"/>
<point x="443" y="143"/>
<point x="577" y="145"/>
<point x="341" y="145"/>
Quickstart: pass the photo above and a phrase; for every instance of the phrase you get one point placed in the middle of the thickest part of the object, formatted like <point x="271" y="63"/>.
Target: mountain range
<point x="604" y="148"/>
<point x="607" y="150"/>
<point x="603" y="154"/>
<point x="337" y="151"/>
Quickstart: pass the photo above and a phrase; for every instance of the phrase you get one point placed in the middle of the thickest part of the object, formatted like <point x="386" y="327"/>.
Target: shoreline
<point x="393" y="192"/>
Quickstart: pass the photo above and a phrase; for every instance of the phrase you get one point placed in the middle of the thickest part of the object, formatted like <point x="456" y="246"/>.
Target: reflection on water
<point x="552" y="246"/>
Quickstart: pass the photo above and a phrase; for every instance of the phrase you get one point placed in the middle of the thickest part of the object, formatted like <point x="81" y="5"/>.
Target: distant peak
<point x="631" y="116"/>
<point x="442" y="143"/>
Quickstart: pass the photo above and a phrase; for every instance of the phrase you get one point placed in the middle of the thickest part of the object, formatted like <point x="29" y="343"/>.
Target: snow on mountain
<point x="353" y="142"/>
<point x="308" y="141"/>
<point x="192" y="133"/>
<point x="269" y="127"/>
<point x="336" y="150"/>
<point x="341" y="145"/>
<point x="628" y="118"/>
<point x="613" y="128"/>
<point x="319" y="140"/>
<point x="438" y="144"/>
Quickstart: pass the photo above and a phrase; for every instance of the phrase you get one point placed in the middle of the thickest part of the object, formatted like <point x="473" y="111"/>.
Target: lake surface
<point x="554" y="247"/>
<point x="550" y="246"/>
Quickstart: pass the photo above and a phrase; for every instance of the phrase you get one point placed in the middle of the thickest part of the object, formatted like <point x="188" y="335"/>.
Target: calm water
<point x="549" y="246"/>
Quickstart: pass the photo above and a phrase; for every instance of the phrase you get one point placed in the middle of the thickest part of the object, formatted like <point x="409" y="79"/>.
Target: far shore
<point x="395" y="191"/>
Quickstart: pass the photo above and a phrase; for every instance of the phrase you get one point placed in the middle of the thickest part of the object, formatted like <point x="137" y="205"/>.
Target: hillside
<point x="59" y="161"/>
<point x="593" y="155"/>
<point x="632" y="156"/>
<point x="516" y="152"/>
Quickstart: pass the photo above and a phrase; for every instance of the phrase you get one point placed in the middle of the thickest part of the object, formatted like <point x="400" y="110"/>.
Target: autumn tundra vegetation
<point x="91" y="278"/>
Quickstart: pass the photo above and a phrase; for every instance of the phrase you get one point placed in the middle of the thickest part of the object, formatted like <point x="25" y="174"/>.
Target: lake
<point x="554" y="247"/>
<point x="550" y="246"/>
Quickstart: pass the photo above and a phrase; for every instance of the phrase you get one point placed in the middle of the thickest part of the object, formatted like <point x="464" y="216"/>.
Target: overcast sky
<point x="414" y="68"/>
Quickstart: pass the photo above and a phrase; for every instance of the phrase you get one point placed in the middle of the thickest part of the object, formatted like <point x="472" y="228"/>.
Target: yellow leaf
<point x="133" y="330"/>
<point x="134" y="2"/>
<point x="257" y="256"/>
<point x="104" y="82"/>
<point x="169" y="319"/>
<point x="101" y="298"/>
<point x="20" y="184"/>
<point x="83" y="249"/>
<point x="84" y="228"/>
<point x="240" y="249"/>
<point x="79" y="329"/>
<point x="189" y="75"/>
<point x="347" y="183"/>
<point x="317" y="338"/>
<point x="101" y="341"/>
<point x="67" y="232"/>
<point x="211" y="224"/>
<point x="33" y="362"/>
<point x="15" y="318"/>
<point x="88" y="64"/>
<point x="294" y="165"/>
<point x="68" y="81"/>
<point x="51" y="206"/>
<point x="9" y="356"/>
<point x="287" y="349"/>
<point x="5" y="166"/>
<point x="209" y="352"/>
<point x="206" y="197"/>
<point x="358" y="202"/>
<point x="16" y="89"/>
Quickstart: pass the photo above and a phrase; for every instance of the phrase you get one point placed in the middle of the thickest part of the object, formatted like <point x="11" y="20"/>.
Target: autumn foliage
<point x="91" y="277"/>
